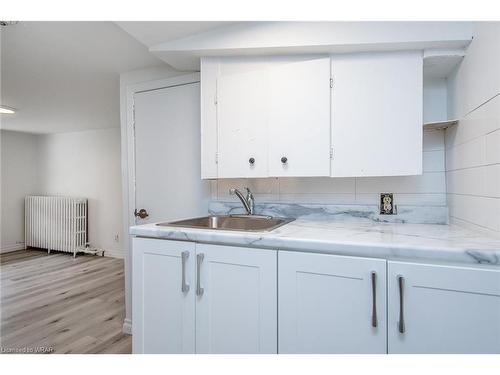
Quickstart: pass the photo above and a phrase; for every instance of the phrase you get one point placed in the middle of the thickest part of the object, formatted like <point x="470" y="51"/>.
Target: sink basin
<point x="248" y="223"/>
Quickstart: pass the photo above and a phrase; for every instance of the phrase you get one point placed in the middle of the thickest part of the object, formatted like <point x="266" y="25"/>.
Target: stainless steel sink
<point x="248" y="223"/>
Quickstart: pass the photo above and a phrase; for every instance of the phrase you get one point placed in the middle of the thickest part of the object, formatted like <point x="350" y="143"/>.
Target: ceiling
<point x="64" y="76"/>
<point x="151" y="33"/>
<point x="181" y="44"/>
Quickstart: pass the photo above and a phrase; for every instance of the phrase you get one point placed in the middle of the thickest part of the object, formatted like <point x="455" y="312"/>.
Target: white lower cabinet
<point x="198" y="298"/>
<point x="331" y="304"/>
<point x="163" y="313"/>
<point x="237" y="311"/>
<point x="224" y="303"/>
<point x="443" y="309"/>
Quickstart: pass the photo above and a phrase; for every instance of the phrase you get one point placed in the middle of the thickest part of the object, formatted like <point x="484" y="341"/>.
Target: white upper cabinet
<point x="299" y="118"/>
<point x="279" y="116"/>
<point x="377" y="106"/>
<point x="242" y="124"/>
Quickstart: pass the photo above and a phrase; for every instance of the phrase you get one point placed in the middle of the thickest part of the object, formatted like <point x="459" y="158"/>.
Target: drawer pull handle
<point x="401" y="323"/>
<point x="199" y="260"/>
<point x="185" y="286"/>
<point x="374" y="298"/>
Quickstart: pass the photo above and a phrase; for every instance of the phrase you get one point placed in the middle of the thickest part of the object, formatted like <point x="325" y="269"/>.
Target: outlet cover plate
<point x="387" y="206"/>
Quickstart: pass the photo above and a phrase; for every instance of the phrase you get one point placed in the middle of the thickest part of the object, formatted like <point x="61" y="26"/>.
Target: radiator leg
<point x="74" y="254"/>
<point x="48" y="251"/>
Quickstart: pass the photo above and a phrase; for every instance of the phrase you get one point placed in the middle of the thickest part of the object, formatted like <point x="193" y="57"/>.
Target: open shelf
<point x="439" y="125"/>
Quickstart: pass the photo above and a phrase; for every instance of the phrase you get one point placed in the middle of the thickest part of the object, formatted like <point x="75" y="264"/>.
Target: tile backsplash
<point x="428" y="189"/>
<point x="473" y="167"/>
<point x="341" y="212"/>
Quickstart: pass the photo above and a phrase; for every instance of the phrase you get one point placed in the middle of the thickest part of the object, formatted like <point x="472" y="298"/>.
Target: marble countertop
<point x="416" y="242"/>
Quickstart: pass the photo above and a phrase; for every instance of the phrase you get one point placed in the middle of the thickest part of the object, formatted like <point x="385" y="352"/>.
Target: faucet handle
<point x="249" y="193"/>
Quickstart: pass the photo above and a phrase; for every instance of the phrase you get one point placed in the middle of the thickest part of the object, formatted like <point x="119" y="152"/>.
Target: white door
<point x="299" y="118"/>
<point x="163" y="292"/>
<point x="331" y="304"/>
<point x="377" y="110"/>
<point x="236" y="311"/>
<point x="242" y="124"/>
<point x="167" y="154"/>
<point x="443" y="309"/>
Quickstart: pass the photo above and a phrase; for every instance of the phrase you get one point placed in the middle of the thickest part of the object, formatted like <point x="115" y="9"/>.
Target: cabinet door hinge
<point x="331" y="83"/>
<point x="331" y="152"/>
<point x="216" y="158"/>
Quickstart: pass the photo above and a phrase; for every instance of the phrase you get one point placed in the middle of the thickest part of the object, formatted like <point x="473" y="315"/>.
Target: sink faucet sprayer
<point x="248" y="201"/>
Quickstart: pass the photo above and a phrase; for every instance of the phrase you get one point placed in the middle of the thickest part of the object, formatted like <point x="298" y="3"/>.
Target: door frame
<point x="127" y="130"/>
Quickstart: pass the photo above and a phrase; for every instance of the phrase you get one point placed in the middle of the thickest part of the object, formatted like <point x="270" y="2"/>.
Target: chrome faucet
<point x="248" y="201"/>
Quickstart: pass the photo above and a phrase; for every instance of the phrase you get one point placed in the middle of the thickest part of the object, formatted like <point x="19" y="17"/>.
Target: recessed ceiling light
<point x="8" y="23"/>
<point x="5" y="109"/>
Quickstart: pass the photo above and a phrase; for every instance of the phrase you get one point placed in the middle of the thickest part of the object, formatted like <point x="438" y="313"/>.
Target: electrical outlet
<point x="117" y="238"/>
<point x="387" y="206"/>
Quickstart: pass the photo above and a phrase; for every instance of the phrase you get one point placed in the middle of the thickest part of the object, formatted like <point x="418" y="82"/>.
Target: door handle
<point x="199" y="260"/>
<point x="184" y="285"/>
<point x="374" y="298"/>
<point x="401" y="323"/>
<point x="142" y="213"/>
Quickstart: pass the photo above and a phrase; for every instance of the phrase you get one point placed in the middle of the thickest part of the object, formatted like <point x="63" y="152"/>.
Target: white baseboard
<point x="127" y="327"/>
<point x="20" y="246"/>
<point x="12" y="247"/>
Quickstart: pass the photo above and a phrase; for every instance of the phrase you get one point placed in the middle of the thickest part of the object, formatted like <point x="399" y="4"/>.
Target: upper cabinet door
<point x="242" y="124"/>
<point x="299" y="118"/>
<point x="377" y="114"/>
<point x="443" y="309"/>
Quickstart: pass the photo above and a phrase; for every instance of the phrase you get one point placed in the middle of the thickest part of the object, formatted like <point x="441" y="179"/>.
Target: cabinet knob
<point x="251" y="161"/>
<point x="284" y="159"/>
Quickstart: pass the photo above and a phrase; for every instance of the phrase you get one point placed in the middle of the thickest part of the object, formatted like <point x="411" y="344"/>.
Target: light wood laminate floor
<point x="55" y="301"/>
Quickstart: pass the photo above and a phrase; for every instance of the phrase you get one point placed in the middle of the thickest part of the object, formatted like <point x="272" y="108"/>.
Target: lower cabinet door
<point x="163" y="295"/>
<point x="443" y="309"/>
<point x="236" y="306"/>
<point x="331" y="304"/>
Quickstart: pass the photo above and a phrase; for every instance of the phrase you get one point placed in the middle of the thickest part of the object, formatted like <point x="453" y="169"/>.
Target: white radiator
<point x="56" y="223"/>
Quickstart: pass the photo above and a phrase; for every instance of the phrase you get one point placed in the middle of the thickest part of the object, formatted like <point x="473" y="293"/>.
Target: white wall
<point x="473" y="146"/>
<point x="19" y="177"/>
<point x="87" y="164"/>
<point x="84" y="164"/>
<point x="428" y="189"/>
<point x="435" y="100"/>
